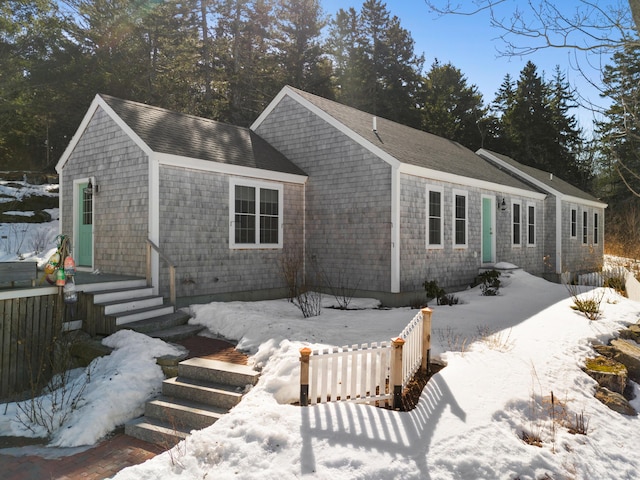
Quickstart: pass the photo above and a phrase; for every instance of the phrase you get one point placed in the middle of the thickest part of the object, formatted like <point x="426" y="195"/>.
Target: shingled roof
<point x="174" y="133"/>
<point x="546" y="178"/>
<point x="415" y="147"/>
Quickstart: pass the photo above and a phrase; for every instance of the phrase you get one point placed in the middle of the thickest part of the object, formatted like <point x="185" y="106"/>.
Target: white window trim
<point x="584" y="231"/>
<point x="535" y="225"/>
<point x="513" y="243"/>
<point x="243" y="182"/>
<point x="465" y="194"/>
<point x="571" y="210"/>
<point x="434" y="246"/>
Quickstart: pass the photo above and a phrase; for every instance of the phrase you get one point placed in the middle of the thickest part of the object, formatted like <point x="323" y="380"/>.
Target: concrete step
<point x="155" y="431"/>
<point x="215" y="371"/>
<point x="123" y="318"/>
<point x="217" y="395"/>
<point x="184" y="414"/>
<point x="113" y="285"/>
<point x="178" y="332"/>
<point x="161" y="322"/>
<point x="127" y="305"/>
<point x="104" y="296"/>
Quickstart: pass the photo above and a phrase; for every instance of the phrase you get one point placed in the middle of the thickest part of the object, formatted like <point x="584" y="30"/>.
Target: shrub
<point x="489" y="283"/>
<point x="433" y="291"/>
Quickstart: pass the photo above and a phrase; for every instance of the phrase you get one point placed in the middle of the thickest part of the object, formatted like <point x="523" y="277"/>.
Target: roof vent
<point x="551" y="176"/>
<point x="375" y="124"/>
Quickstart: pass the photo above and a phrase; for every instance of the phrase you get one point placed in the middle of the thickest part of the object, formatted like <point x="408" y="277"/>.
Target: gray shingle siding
<point x="348" y="198"/>
<point x="578" y="256"/>
<point x="194" y="233"/>
<point x="121" y="212"/>
<point x="454" y="266"/>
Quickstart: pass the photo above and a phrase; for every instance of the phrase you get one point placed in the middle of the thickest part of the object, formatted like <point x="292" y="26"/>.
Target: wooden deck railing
<point x="376" y="373"/>
<point x="172" y="270"/>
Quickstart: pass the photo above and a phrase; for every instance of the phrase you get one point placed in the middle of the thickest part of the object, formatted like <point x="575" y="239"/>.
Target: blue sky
<point x="471" y="44"/>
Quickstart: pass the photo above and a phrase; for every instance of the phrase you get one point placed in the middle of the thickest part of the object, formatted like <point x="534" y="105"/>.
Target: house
<point x="354" y="202"/>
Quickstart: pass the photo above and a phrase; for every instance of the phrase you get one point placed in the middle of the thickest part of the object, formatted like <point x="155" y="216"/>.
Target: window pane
<point x="595" y="228"/>
<point x="584" y="227"/>
<point x="516" y="224"/>
<point x="268" y="216"/>
<point x="531" y="217"/>
<point x="461" y="220"/>
<point x="435" y="216"/>
<point x="87" y="208"/>
<point x="245" y="220"/>
<point x="574" y="223"/>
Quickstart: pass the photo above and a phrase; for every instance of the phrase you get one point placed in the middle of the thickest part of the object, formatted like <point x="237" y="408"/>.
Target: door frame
<point x="492" y="226"/>
<point x="77" y="202"/>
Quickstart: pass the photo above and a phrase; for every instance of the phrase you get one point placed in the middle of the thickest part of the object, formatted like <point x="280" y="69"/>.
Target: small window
<point x="531" y="225"/>
<point x="434" y="218"/>
<point x="585" y="226"/>
<point x="87" y="207"/>
<point x="460" y="218"/>
<point x="574" y="223"/>
<point x="516" y="230"/>
<point x="256" y="213"/>
<point x="595" y="228"/>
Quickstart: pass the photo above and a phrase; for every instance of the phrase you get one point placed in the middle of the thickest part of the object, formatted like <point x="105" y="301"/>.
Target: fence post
<point x="396" y="371"/>
<point x="426" y="339"/>
<point x="305" y="354"/>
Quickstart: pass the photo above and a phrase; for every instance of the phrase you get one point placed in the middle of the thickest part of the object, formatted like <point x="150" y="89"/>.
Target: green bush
<point x="489" y="283"/>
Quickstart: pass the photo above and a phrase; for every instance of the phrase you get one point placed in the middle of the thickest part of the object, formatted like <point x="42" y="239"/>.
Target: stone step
<point x="160" y="322"/>
<point x="123" y="318"/>
<point x="104" y="296"/>
<point x="185" y="414"/>
<point x="175" y="333"/>
<point x="155" y="431"/>
<point x="215" y="371"/>
<point x="217" y="395"/>
<point x="127" y="305"/>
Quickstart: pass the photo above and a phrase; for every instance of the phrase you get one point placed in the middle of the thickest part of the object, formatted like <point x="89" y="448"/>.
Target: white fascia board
<point x="395" y="230"/>
<point x="467" y="181"/>
<point x="286" y="91"/>
<point x="538" y="183"/>
<point x="224" y="168"/>
<point x="98" y="102"/>
<point x="558" y="235"/>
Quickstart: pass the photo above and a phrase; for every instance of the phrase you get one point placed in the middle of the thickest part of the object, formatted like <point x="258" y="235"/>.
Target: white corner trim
<point x="154" y="220"/>
<point x="225" y="168"/>
<point x="395" y="230"/>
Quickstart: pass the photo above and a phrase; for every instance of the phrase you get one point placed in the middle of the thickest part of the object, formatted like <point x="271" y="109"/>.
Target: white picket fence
<point x="596" y="279"/>
<point x="375" y="373"/>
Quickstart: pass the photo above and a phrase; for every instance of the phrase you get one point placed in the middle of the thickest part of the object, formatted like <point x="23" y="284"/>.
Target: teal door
<point x="84" y="247"/>
<point x="487" y="230"/>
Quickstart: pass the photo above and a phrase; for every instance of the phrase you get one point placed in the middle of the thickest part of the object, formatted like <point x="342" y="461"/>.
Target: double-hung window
<point x="531" y="225"/>
<point x="460" y="218"/>
<point x="255" y="214"/>
<point x="585" y="226"/>
<point x="595" y="228"/>
<point x="516" y="230"/>
<point x="574" y="223"/>
<point x="434" y="217"/>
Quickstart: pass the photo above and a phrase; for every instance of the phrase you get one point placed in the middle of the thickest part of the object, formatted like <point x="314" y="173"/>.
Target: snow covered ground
<point x="504" y="356"/>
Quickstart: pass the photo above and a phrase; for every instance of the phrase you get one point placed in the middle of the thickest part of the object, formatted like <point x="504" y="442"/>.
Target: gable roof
<point x="544" y="180"/>
<point x="405" y="145"/>
<point x="188" y="136"/>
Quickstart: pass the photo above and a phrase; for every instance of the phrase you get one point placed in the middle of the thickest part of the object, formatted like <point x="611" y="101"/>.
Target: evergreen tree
<point x="376" y="68"/>
<point x="302" y="61"/>
<point x="452" y="109"/>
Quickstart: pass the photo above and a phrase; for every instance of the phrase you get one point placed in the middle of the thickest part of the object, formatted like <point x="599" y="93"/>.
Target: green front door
<point x="84" y="248"/>
<point x="487" y="230"/>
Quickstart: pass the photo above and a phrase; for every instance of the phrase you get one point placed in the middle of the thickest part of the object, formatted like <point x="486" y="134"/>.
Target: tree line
<point x="226" y="59"/>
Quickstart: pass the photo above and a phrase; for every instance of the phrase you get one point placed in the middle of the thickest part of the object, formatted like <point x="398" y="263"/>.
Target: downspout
<point x="395" y="229"/>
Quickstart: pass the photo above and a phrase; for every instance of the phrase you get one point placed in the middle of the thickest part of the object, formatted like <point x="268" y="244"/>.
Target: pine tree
<point x="452" y="109"/>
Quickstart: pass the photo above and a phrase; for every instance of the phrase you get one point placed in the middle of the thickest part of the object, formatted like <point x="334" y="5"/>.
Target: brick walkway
<point x="115" y="453"/>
